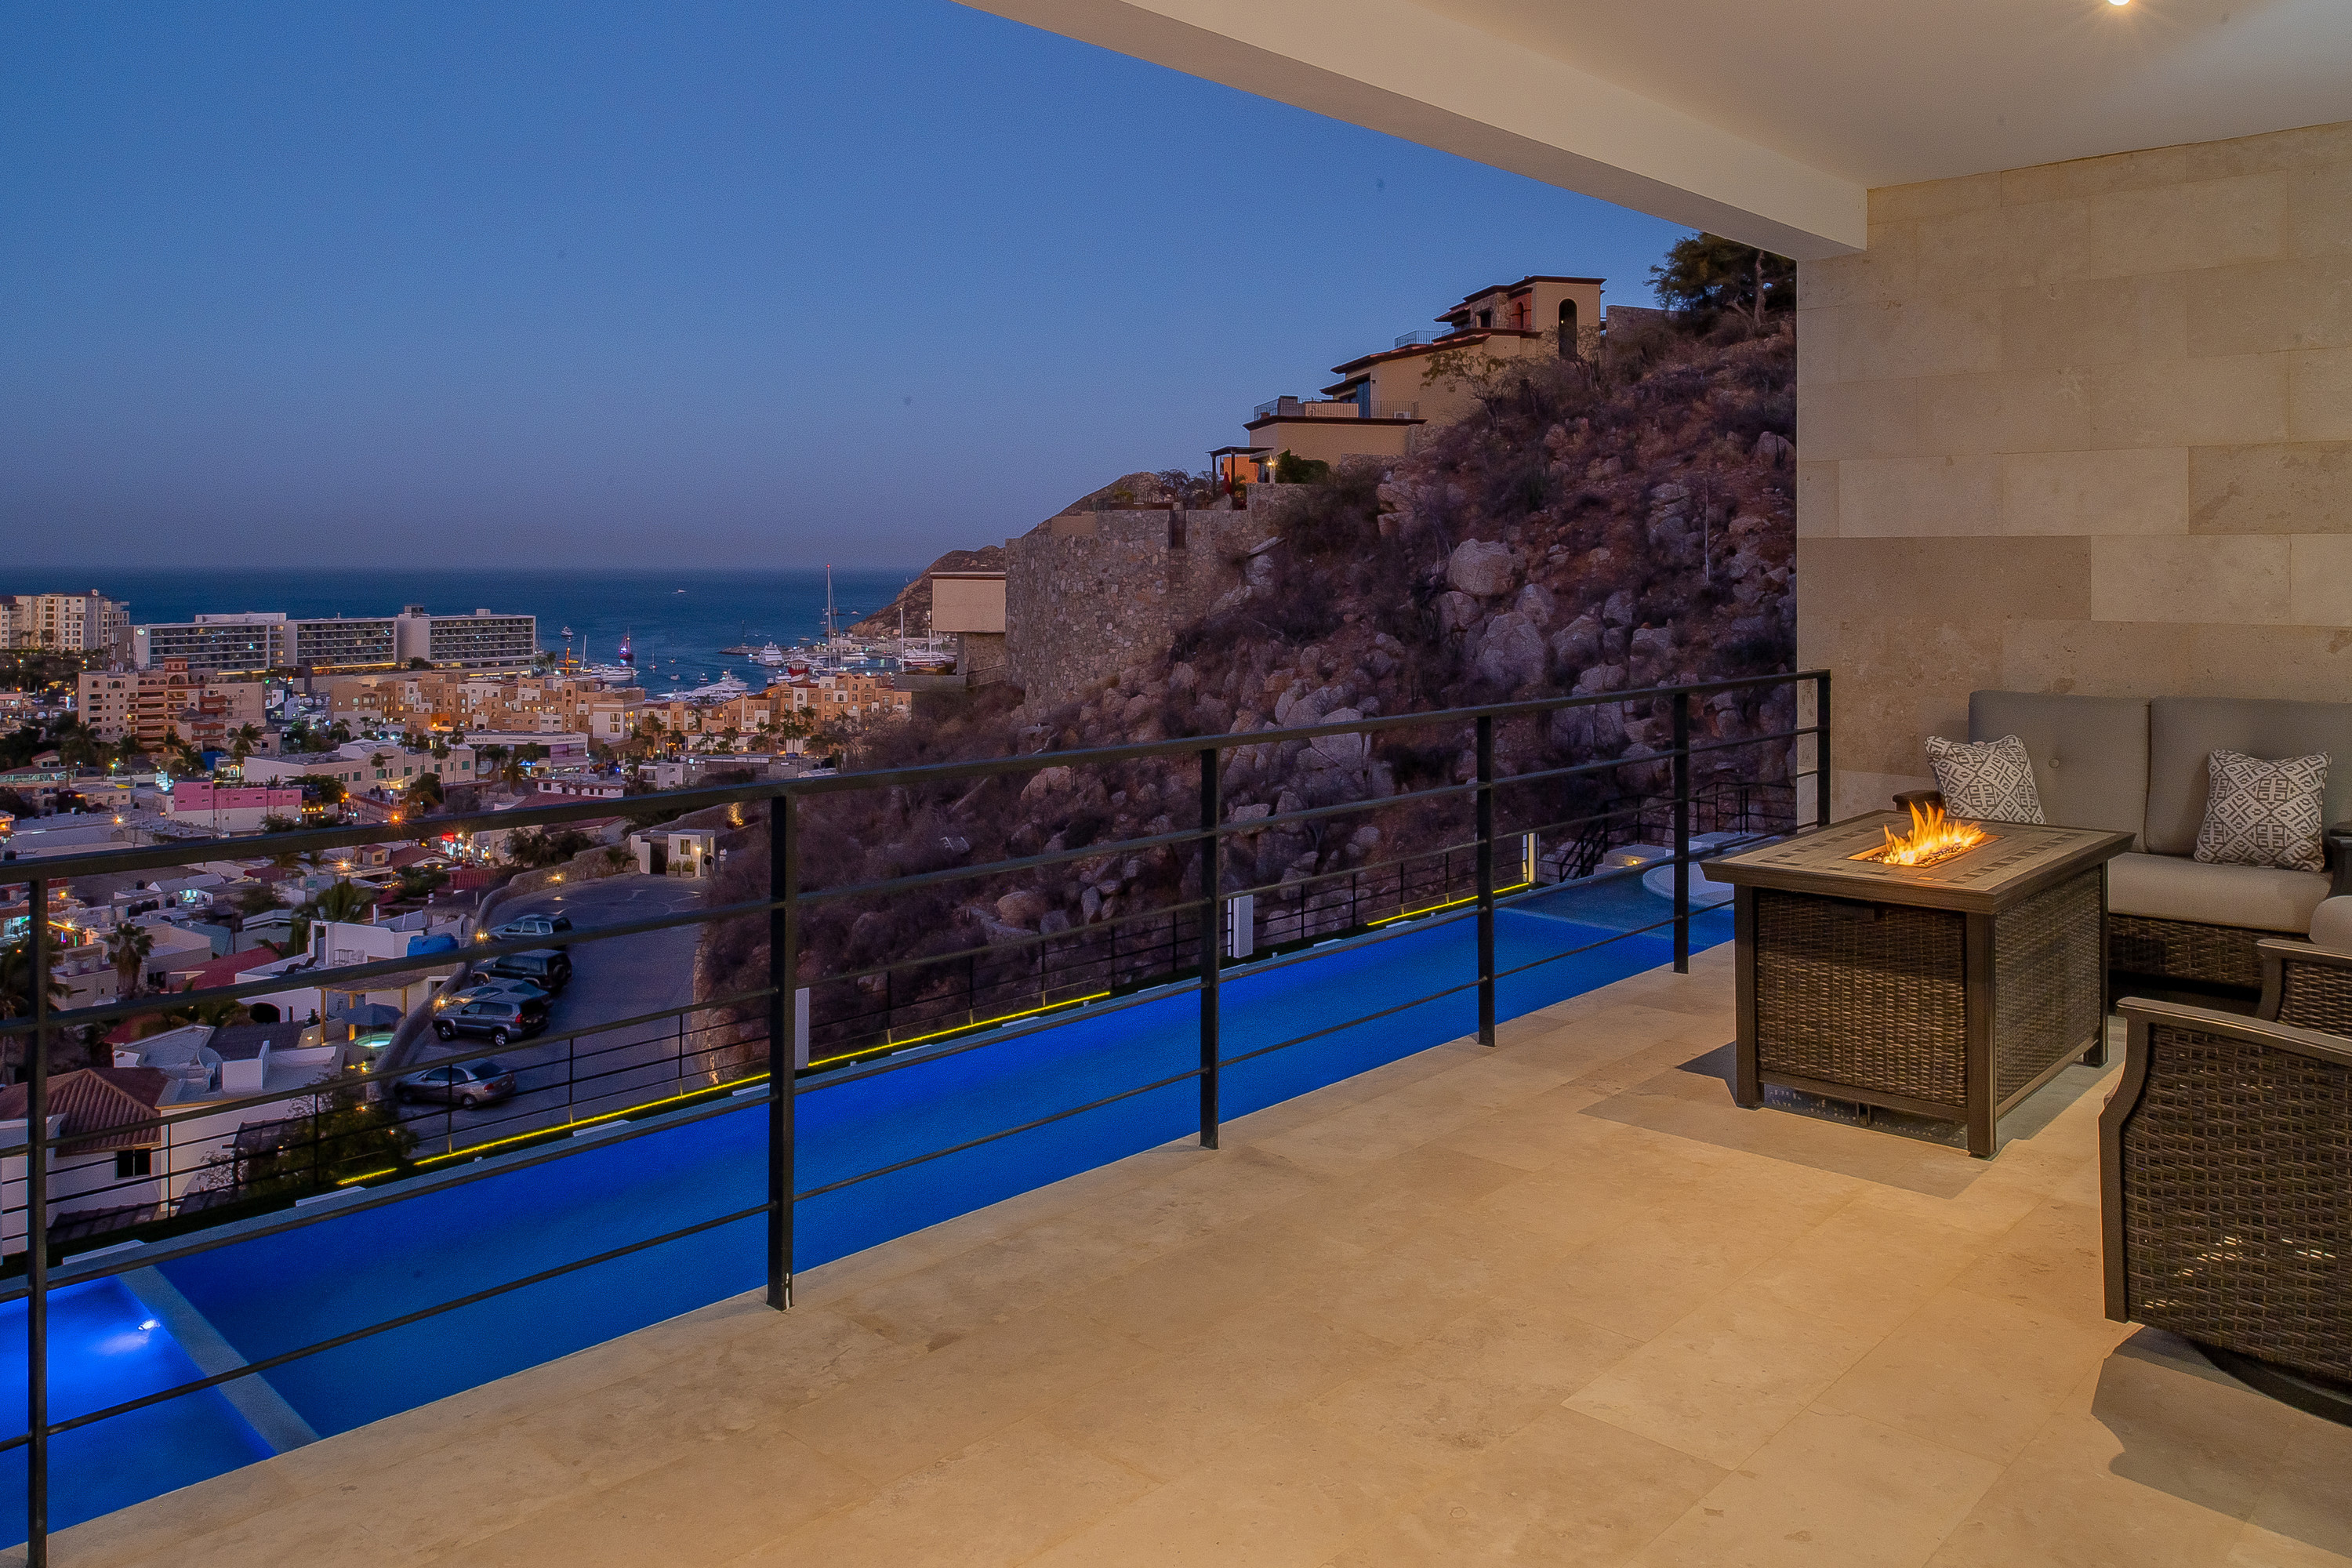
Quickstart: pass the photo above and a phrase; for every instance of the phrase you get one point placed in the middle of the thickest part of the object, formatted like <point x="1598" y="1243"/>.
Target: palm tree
<point x="218" y="1012"/>
<point x="78" y="746"/>
<point x="16" y="981"/>
<point x="129" y="948"/>
<point x="344" y="901"/>
<point x="244" y="741"/>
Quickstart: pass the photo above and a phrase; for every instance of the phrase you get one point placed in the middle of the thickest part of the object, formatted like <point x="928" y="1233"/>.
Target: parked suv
<point x="501" y="1019"/>
<point x="548" y="968"/>
<point x="491" y="991"/>
<point x="472" y="1084"/>
<point x="532" y="925"/>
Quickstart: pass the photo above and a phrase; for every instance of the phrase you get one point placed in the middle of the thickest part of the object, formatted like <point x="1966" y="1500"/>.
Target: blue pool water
<point x="101" y="1353"/>
<point x="276" y="1293"/>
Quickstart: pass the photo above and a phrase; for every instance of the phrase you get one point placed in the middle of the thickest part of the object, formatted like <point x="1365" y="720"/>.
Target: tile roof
<point x="104" y="1108"/>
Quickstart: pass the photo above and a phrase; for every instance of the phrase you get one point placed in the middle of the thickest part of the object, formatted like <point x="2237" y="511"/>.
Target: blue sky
<point x="602" y="284"/>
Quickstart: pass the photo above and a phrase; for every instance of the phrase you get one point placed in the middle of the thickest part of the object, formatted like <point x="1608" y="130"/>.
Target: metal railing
<point x="749" y="1059"/>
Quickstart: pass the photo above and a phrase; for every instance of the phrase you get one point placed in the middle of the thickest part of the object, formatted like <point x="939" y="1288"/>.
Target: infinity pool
<point x="275" y="1293"/>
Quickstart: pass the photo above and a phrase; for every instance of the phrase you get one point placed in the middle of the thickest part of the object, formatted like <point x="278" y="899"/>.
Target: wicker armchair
<point x="2226" y="1179"/>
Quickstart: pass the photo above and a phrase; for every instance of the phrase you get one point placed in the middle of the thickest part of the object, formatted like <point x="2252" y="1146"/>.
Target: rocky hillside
<point x="1592" y="529"/>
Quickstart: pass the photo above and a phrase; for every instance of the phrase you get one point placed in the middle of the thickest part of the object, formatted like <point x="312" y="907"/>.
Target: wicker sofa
<point x="2137" y="766"/>
<point x="2226" y="1178"/>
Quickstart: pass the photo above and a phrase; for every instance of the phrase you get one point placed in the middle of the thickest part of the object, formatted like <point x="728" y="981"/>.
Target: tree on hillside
<point x="128" y="950"/>
<point x="345" y="902"/>
<point x="77" y="745"/>
<point x="16" y="981"/>
<point x="1708" y="277"/>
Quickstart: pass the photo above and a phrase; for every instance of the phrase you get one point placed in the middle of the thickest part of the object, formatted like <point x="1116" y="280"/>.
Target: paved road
<point x="560" y="1080"/>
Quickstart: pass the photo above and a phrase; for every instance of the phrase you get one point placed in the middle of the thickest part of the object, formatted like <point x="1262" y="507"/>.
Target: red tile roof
<point x="104" y="1108"/>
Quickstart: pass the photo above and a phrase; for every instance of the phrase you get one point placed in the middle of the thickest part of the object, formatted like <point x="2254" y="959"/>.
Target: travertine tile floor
<point x="1557" y="1302"/>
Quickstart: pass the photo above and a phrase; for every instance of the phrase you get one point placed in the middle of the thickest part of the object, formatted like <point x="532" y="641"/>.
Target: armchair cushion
<point x="2331" y="925"/>
<point x="2169" y="887"/>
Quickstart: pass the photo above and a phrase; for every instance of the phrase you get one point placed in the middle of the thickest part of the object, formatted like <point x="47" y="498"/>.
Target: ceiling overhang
<point x="1767" y="121"/>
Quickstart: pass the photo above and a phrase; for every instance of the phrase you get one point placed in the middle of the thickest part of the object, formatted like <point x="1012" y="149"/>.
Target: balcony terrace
<point x="1556" y="1301"/>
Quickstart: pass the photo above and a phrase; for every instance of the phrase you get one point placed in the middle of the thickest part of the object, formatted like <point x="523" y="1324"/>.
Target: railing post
<point x="1213" y="914"/>
<point x="37" y="1243"/>
<point x="1682" y="831"/>
<point x="783" y="978"/>
<point x="1485" y="880"/>
<point x="1821" y="749"/>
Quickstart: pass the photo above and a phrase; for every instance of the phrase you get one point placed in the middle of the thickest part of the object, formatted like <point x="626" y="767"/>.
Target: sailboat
<point x="610" y="674"/>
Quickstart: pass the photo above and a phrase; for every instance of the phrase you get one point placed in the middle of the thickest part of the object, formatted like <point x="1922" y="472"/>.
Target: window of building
<point x="129" y="1162"/>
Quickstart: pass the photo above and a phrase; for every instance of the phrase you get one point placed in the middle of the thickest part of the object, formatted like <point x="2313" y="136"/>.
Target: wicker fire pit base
<point x="1953" y="990"/>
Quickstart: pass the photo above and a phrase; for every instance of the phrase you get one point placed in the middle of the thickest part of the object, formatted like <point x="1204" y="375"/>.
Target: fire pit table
<point x="1951" y="989"/>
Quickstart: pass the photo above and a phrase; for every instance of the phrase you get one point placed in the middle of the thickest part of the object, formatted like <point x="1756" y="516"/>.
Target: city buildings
<point x="455" y="701"/>
<point x="150" y="705"/>
<point x="256" y="641"/>
<point x="227" y="809"/>
<point x="66" y="622"/>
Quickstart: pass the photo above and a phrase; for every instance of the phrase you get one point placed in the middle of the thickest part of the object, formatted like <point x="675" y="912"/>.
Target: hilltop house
<point x="1383" y="400"/>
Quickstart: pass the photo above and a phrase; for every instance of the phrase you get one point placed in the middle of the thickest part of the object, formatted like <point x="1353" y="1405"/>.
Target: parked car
<point x="491" y="990"/>
<point x="548" y="968"/>
<point x="471" y="1084"/>
<point x="500" y="1018"/>
<point x="532" y="925"/>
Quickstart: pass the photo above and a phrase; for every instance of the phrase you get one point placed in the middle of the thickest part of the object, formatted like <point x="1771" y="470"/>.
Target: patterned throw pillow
<point x="2263" y="813"/>
<point x="1986" y="780"/>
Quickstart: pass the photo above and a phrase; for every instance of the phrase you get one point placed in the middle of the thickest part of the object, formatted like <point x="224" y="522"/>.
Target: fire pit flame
<point x="1933" y="837"/>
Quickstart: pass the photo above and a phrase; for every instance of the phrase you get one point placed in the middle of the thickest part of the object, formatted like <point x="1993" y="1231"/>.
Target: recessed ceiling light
<point x="2118" y="2"/>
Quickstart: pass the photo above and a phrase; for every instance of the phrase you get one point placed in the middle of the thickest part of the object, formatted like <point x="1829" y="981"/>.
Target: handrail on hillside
<point x="786" y="1075"/>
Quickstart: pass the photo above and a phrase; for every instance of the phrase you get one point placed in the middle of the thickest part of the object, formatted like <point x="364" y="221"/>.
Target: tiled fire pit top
<point x="2018" y="859"/>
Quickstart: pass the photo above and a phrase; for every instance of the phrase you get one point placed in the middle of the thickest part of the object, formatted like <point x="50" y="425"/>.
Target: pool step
<point x="264" y="1408"/>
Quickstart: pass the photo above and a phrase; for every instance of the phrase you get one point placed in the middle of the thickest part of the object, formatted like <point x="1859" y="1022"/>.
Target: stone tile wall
<point x="2082" y="428"/>
<point x="1089" y="593"/>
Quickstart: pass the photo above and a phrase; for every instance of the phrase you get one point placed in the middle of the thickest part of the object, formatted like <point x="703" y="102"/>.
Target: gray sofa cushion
<point x="2090" y="754"/>
<point x="2183" y="731"/>
<point x="2170" y="888"/>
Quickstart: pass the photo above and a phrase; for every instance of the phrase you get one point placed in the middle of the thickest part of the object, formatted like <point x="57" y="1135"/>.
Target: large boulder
<point x="1650" y="655"/>
<point x="1619" y="609"/>
<point x="1578" y="644"/>
<point x="1482" y="569"/>
<point x="1511" y="654"/>
<point x="1456" y="611"/>
<point x="1046" y="782"/>
<point x="1588" y="733"/>
<point x="1023" y="908"/>
<point x="1537" y="603"/>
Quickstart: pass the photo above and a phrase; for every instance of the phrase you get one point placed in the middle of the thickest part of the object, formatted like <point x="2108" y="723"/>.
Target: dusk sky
<point x="591" y="284"/>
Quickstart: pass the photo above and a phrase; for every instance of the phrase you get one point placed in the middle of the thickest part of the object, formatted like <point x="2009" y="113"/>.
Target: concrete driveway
<point x="602" y="1069"/>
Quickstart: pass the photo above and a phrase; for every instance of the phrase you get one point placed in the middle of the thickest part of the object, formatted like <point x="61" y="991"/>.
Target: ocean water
<point x="677" y="621"/>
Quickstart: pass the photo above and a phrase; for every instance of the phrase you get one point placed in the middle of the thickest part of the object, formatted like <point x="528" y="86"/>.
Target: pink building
<point x="238" y="809"/>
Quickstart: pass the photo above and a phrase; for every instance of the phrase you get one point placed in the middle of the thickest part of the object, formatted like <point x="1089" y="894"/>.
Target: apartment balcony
<point x="1553" y="1301"/>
